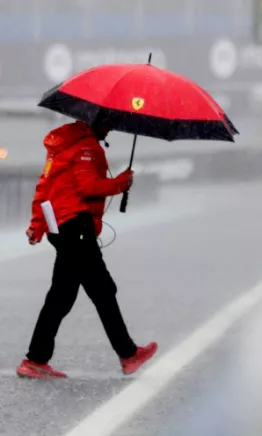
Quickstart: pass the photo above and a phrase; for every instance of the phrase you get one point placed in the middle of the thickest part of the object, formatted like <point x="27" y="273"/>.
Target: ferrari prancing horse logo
<point x="138" y="103"/>
<point x="48" y="167"/>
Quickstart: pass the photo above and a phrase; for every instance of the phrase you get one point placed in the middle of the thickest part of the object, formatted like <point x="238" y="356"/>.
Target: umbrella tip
<point x="149" y="58"/>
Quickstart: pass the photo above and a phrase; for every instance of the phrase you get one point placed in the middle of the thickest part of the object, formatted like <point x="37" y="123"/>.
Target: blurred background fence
<point x="217" y="43"/>
<point x="214" y="42"/>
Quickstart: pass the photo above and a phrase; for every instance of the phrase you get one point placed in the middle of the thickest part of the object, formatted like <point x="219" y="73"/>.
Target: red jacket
<point x="74" y="178"/>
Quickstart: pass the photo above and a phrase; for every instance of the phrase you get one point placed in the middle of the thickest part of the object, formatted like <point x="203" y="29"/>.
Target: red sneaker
<point x="34" y="370"/>
<point x="143" y="354"/>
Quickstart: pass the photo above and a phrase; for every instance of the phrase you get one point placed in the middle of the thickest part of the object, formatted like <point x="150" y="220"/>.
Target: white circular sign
<point x="58" y="63"/>
<point x="223" y="58"/>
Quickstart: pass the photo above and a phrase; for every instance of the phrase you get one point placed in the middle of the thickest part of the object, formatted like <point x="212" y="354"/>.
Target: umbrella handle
<point x="124" y="202"/>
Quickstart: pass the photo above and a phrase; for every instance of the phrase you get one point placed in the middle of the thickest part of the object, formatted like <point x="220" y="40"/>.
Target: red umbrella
<point x="140" y="99"/>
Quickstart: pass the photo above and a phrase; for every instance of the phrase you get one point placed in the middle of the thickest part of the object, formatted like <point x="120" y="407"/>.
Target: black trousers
<point x="79" y="261"/>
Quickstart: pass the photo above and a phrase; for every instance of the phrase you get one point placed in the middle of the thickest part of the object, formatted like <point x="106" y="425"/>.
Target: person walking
<point x="74" y="181"/>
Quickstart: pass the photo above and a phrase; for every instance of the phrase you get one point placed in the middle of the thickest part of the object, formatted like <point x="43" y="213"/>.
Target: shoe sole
<point x="40" y="376"/>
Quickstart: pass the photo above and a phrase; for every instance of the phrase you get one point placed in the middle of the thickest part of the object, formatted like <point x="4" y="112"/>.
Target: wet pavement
<point x="175" y="270"/>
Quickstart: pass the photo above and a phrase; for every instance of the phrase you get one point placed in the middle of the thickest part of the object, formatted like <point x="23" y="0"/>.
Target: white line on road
<point x="106" y="419"/>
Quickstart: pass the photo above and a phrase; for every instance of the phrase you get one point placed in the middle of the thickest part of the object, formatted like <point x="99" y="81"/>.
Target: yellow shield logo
<point x="48" y="166"/>
<point x="138" y="103"/>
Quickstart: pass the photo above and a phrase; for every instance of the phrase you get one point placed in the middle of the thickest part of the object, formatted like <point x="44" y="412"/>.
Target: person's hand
<point x="129" y="176"/>
<point x="126" y="179"/>
<point x="31" y="237"/>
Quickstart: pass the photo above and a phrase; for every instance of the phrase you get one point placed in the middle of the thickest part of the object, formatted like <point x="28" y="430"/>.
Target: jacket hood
<point x="66" y="136"/>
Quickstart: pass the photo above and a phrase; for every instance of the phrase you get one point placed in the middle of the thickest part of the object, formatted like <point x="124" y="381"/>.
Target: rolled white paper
<point x="50" y="218"/>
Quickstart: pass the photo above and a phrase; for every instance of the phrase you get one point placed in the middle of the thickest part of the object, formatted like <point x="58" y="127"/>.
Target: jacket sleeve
<point x="38" y="224"/>
<point x="90" y="183"/>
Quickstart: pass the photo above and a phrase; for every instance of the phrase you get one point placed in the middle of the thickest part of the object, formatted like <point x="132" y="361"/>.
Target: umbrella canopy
<point x="140" y="99"/>
<point x="220" y="111"/>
